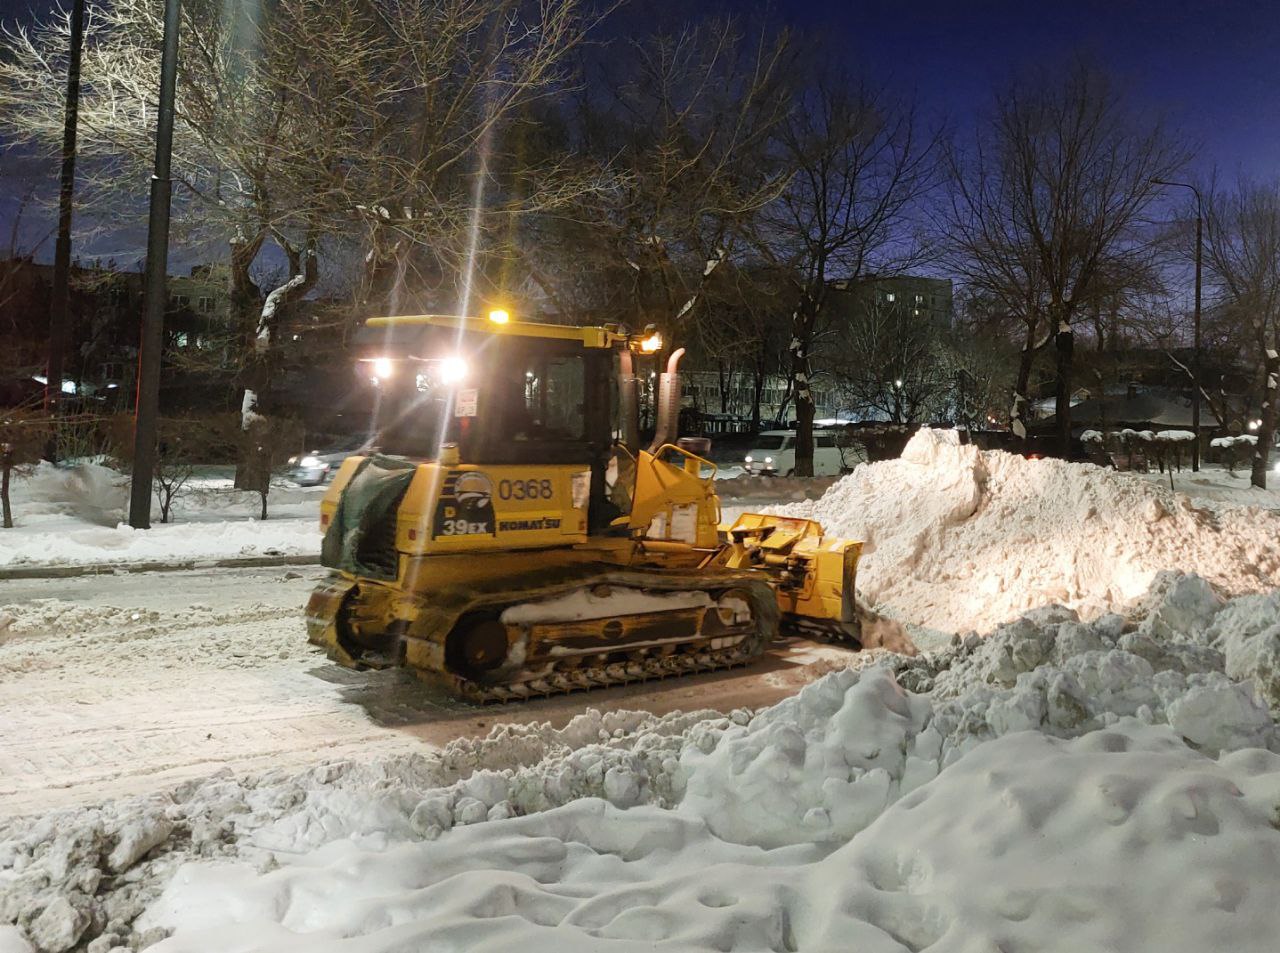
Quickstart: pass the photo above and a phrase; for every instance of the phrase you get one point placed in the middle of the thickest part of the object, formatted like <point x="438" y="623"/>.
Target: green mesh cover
<point x="362" y="537"/>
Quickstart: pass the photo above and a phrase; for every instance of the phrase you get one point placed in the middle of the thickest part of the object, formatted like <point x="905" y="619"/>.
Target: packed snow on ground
<point x="956" y="538"/>
<point x="1217" y="484"/>
<point x="77" y="515"/>
<point x="1059" y="785"/>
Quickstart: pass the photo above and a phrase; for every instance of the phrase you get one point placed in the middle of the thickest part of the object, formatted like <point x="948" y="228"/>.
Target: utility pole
<point x="145" y="436"/>
<point x="1195" y="353"/>
<point x="62" y="252"/>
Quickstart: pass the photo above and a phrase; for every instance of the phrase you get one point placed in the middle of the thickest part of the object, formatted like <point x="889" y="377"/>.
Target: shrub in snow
<point x="182" y="443"/>
<point x="1234" y="451"/>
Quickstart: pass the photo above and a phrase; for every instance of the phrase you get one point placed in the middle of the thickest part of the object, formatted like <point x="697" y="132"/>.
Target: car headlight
<point x="748" y="458"/>
<point x="768" y="461"/>
<point x="293" y="461"/>
<point x="311" y="462"/>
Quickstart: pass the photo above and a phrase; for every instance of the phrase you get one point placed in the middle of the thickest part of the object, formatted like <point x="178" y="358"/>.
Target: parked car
<point x="319" y="466"/>
<point x="773" y="453"/>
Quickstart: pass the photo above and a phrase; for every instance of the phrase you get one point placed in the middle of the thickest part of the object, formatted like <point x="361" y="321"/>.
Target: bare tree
<point x="890" y="362"/>
<point x="1045" y="211"/>
<point x="1242" y="238"/>
<point x="858" y="165"/>
<point x="741" y="331"/>
<point x="306" y="127"/>
<point x="680" y="120"/>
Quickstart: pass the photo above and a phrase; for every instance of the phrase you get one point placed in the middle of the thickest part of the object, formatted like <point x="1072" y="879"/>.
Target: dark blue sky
<point x="1211" y="66"/>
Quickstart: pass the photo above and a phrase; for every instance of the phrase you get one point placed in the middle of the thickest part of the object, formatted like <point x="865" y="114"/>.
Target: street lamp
<point x="151" y="343"/>
<point x="1195" y="353"/>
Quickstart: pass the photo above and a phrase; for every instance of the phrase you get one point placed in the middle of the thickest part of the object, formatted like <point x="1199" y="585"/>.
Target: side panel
<point x="468" y="508"/>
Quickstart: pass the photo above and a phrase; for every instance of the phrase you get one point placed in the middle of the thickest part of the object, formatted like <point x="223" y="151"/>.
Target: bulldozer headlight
<point x="310" y="462"/>
<point x="498" y="316"/>
<point x="652" y="343"/>
<point x="453" y="370"/>
<point x="383" y="368"/>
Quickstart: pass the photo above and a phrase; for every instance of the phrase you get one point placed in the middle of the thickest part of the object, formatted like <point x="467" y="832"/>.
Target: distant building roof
<point x="1166" y="411"/>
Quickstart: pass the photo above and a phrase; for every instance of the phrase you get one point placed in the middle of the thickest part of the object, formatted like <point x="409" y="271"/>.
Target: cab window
<point x="554" y="389"/>
<point x="824" y="441"/>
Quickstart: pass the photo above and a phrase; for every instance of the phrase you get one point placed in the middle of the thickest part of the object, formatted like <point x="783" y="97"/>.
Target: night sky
<point x="1210" y="66"/>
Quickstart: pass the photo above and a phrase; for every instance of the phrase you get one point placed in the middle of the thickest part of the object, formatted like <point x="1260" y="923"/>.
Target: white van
<point x="774" y="454"/>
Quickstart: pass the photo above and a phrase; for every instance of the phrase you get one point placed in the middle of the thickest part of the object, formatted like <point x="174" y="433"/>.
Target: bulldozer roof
<point x="596" y="337"/>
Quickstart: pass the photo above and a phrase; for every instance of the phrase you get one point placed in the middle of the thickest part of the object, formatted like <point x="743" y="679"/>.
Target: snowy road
<point x="119" y="684"/>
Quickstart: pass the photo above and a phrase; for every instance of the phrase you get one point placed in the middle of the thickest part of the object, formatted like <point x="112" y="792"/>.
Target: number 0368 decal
<point x="525" y="490"/>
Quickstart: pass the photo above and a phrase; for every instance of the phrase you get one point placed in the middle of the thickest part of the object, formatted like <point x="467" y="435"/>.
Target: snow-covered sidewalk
<point x="75" y="516"/>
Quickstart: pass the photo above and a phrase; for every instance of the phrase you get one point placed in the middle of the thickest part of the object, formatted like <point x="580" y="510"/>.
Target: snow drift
<point x="960" y="539"/>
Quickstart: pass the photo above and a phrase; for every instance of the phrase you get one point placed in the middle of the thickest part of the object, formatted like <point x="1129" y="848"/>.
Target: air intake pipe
<point x="667" y="412"/>
<point x="629" y="402"/>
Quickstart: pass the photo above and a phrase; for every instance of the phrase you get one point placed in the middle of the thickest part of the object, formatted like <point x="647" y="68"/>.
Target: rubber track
<point x="586" y="678"/>
<point x="541" y="683"/>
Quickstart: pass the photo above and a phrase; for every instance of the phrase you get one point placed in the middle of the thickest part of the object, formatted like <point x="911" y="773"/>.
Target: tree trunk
<point x="1266" y="432"/>
<point x="263" y="495"/>
<point x="246" y="306"/>
<point x="6" y="468"/>
<point x="1064" y="342"/>
<point x="757" y="390"/>
<point x="1017" y="416"/>
<point x="257" y="366"/>
<point x="800" y="372"/>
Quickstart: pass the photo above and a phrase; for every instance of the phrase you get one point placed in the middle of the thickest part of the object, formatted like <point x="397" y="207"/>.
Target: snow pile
<point x="88" y="491"/>
<point x="1176" y="436"/>
<point x="1047" y="787"/>
<point x="956" y="538"/>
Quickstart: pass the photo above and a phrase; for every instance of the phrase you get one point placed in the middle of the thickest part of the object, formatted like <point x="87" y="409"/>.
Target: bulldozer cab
<point x="497" y="399"/>
<point x="511" y="394"/>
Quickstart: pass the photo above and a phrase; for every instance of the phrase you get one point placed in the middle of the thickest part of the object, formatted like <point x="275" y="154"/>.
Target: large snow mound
<point x="956" y="538"/>
<point x="1046" y="788"/>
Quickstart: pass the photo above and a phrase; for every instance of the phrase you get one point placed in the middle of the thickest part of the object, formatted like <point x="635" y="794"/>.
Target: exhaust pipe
<point x="667" y="415"/>
<point x="629" y="402"/>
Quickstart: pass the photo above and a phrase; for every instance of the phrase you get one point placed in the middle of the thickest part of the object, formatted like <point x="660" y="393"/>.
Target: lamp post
<point x="1195" y="353"/>
<point x="151" y="344"/>
<point x="62" y="252"/>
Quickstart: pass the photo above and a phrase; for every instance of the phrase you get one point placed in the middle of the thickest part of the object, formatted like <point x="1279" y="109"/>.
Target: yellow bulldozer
<point x="510" y="538"/>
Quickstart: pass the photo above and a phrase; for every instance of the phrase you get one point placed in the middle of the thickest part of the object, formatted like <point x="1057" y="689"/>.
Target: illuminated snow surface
<point x="1099" y="777"/>
<point x="956" y="538"/>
